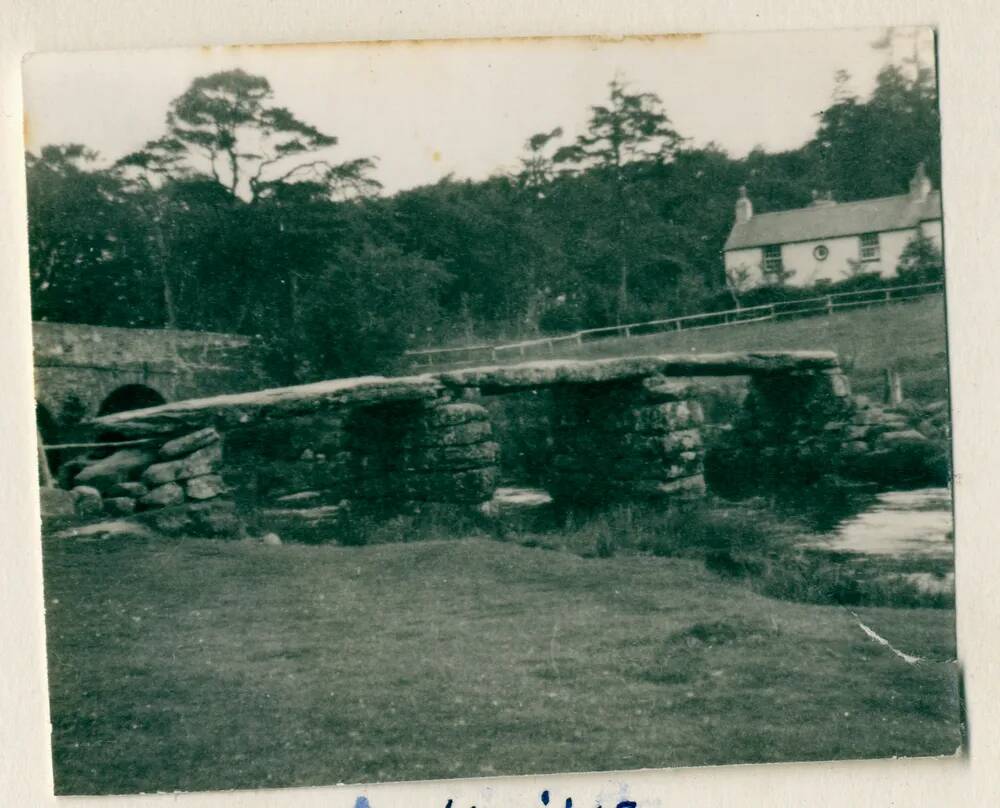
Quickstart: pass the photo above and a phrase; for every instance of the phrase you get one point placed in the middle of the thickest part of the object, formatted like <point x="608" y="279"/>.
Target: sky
<point x="465" y="107"/>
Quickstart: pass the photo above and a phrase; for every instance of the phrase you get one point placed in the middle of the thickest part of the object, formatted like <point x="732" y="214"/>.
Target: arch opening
<point x="130" y="397"/>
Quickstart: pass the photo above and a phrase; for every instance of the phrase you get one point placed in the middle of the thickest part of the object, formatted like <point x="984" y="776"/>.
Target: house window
<point x="869" y="247"/>
<point x="772" y="260"/>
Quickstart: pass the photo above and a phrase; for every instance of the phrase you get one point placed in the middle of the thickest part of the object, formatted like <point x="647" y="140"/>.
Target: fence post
<point x="44" y="470"/>
<point x="888" y="295"/>
<point x="829" y="305"/>
<point x="628" y="332"/>
<point x="893" y="388"/>
<point x="772" y="314"/>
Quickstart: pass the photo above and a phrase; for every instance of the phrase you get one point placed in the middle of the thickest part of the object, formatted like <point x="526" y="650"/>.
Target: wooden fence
<point x="806" y="307"/>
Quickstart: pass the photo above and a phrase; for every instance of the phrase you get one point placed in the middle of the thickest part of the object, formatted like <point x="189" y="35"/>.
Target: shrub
<point x="560" y="319"/>
<point x="921" y="261"/>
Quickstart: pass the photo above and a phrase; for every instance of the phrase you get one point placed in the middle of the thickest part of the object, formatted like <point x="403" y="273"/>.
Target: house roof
<point x="830" y="221"/>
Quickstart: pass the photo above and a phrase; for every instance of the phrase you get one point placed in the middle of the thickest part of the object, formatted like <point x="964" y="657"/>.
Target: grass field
<point x="907" y="337"/>
<point x="190" y="665"/>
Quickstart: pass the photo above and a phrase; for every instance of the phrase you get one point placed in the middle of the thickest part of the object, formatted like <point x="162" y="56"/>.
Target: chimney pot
<point x="744" y="207"/>
<point x="920" y="185"/>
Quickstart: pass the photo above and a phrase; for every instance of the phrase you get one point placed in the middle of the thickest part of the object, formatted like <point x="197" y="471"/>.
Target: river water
<point x="895" y="523"/>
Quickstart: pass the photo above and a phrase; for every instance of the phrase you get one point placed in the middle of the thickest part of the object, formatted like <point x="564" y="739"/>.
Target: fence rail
<point x="824" y="304"/>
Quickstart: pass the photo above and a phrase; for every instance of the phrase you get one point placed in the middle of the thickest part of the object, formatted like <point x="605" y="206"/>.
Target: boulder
<point x="204" y="487"/>
<point x="123" y="465"/>
<point x="134" y="490"/>
<point x="202" y="461"/>
<point x="693" y="486"/>
<point x="216" y="517"/>
<point x="520" y="510"/>
<point x="162" y="496"/>
<point x="858" y="432"/>
<point x="453" y="458"/>
<point x="119" y="506"/>
<point x="210" y="519"/>
<point x="900" y="438"/>
<point x="88" y="501"/>
<point x="301" y="499"/>
<point x="309" y="525"/>
<point x="652" y="447"/>
<point x="457" y="435"/>
<point x="186" y="444"/>
<point x="839" y="385"/>
<point x="683" y="464"/>
<point x="903" y="461"/>
<point x="660" y="388"/>
<point x="472" y="486"/>
<point x="68" y="471"/>
<point x="57" y="504"/>
<point x="453" y="414"/>
<point x="683" y="440"/>
<point x="281" y="478"/>
<point x="111" y="531"/>
<point x="668" y="417"/>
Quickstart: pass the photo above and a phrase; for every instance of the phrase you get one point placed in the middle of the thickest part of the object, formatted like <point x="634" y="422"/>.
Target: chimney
<point x="744" y="207"/>
<point x="920" y="185"/>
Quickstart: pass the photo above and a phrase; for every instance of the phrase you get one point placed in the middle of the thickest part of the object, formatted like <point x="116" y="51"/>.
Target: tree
<point x="239" y="183"/>
<point x="363" y="310"/>
<point x="223" y="126"/>
<point x="739" y="279"/>
<point x="866" y="149"/>
<point x="921" y="260"/>
<point x="538" y="167"/>
<point x="86" y="253"/>
<point x="632" y="127"/>
<point x="631" y="132"/>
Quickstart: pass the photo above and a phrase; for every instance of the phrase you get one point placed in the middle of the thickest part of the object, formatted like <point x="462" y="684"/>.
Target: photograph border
<point x="965" y="39"/>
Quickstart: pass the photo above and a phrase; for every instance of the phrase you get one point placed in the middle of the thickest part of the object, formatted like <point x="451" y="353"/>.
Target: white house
<point x="820" y="241"/>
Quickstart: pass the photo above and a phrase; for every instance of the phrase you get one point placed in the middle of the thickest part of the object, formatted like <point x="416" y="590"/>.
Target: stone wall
<point x="173" y="484"/>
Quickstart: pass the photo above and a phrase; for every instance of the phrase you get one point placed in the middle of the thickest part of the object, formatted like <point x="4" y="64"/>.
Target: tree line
<point x="238" y="218"/>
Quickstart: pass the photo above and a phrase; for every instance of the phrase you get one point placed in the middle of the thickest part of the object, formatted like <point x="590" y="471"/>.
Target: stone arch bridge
<point x="83" y="371"/>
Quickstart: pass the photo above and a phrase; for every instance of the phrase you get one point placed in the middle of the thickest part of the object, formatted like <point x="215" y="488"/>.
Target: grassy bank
<point x="907" y="337"/>
<point x="752" y="541"/>
<point x="200" y="664"/>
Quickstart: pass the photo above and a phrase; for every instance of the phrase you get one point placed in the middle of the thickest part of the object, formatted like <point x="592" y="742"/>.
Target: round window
<point x="821" y="252"/>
